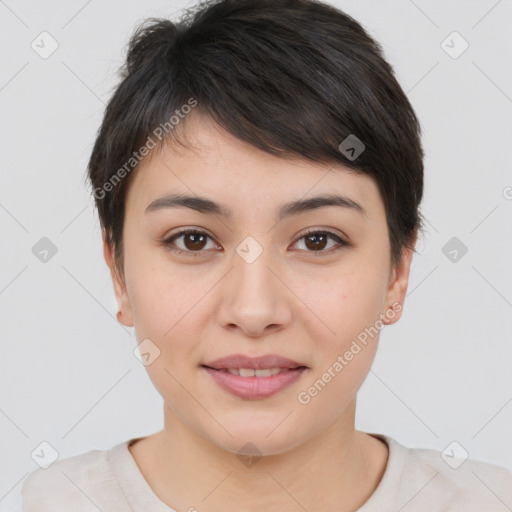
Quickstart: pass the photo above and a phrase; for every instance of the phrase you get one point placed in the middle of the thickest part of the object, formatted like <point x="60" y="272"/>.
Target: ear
<point x="397" y="288"/>
<point x="125" y="315"/>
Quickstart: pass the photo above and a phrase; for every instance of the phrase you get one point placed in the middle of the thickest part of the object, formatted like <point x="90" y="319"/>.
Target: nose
<point x="254" y="298"/>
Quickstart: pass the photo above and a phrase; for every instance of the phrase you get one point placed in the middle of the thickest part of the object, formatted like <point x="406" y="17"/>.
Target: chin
<point x="257" y="438"/>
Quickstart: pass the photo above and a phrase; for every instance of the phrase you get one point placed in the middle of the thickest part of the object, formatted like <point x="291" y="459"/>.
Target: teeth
<point x="249" y="372"/>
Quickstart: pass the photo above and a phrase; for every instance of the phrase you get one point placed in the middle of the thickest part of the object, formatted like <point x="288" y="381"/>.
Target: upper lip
<point x="256" y="363"/>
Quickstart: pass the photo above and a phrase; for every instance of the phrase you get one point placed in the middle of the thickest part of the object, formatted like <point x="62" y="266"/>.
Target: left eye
<point x="318" y="241"/>
<point x="194" y="241"/>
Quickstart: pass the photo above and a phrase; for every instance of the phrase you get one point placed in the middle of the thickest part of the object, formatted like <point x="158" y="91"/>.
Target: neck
<point x="338" y="470"/>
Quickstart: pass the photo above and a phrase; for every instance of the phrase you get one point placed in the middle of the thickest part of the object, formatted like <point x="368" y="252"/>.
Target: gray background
<point x="68" y="374"/>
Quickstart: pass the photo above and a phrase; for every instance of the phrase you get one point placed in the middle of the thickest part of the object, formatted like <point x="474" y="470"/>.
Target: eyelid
<point x="328" y="231"/>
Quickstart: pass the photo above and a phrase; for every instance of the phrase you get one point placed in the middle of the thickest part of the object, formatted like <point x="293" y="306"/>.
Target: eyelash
<point x="168" y="243"/>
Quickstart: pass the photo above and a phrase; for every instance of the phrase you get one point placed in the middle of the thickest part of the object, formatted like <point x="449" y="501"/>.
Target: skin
<point x="289" y="301"/>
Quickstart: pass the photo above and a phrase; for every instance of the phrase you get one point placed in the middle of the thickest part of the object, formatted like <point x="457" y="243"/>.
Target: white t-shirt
<point x="415" y="480"/>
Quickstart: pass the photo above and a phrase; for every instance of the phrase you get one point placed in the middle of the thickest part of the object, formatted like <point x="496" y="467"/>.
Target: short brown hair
<point x="291" y="77"/>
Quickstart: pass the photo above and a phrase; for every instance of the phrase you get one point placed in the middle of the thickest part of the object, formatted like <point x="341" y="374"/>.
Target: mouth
<point x="271" y="362"/>
<point x="254" y="378"/>
<point x="250" y="372"/>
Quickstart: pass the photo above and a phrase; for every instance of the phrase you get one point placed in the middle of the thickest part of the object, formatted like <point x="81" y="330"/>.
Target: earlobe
<point x="393" y="313"/>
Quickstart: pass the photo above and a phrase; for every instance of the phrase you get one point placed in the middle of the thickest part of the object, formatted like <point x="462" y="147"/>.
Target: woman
<point x="258" y="177"/>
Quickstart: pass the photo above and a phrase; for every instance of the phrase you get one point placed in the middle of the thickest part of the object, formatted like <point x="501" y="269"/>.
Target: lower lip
<point x="253" y="388"/>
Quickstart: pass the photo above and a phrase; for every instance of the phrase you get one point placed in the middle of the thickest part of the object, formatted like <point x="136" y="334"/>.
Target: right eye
<point x="193" y="242"/>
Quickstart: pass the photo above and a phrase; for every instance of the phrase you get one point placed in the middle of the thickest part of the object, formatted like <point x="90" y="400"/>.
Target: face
<point x="306" y="284"/>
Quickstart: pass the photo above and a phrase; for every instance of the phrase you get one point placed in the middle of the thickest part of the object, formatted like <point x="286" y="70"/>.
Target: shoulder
<point x="81" y="483"/>
<point x="432" y="477"/>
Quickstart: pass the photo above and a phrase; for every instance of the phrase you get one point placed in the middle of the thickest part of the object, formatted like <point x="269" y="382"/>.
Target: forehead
<point x="219" y="166"/>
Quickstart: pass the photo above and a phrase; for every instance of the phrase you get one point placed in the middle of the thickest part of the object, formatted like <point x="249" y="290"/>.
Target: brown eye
<point x="193" y="242"/>
<point x="317" y="241"/>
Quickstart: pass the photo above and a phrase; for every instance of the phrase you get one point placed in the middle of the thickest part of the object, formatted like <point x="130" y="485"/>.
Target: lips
<point x="265" y="362"/>
<point x="252" y="378"/>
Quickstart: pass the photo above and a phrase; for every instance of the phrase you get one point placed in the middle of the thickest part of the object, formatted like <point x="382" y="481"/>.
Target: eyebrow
<point x="207" y="206"/>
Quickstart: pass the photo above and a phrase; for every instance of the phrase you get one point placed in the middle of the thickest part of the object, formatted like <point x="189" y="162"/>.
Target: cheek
<point x="164" y="301"/>
<point x="345" y="332"/>
<point x="345" y="343"/>
<point x="343" y="303"/>
<point x="164" y="306"/>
